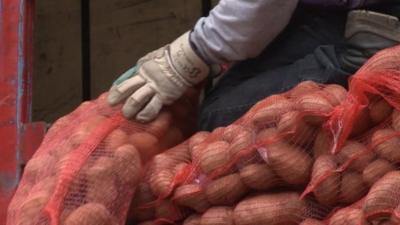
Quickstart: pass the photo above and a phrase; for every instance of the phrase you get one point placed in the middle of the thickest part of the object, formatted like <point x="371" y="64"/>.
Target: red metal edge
<point x="19" y="137"/>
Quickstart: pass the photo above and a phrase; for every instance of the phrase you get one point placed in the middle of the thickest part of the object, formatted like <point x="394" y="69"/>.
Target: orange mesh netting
<point x="90" y="162"/>
<point x="328" y="146"/>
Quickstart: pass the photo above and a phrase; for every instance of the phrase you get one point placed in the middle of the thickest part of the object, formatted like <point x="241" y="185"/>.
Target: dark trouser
<point x="306" y="50"/>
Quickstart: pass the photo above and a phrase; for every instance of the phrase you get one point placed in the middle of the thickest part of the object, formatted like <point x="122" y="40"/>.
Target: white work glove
<point x="159" y="78"/>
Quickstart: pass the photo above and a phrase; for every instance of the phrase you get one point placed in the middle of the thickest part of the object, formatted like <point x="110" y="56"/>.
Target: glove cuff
<point x="185" y="61"/>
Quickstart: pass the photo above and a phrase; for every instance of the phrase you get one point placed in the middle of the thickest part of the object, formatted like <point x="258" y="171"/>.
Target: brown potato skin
<point x="271" y="209"/>
<point x="352" y="188"/>
<point x="386" y="142"/>
<point x="327" y="192"/>
<point x="259" y="177"/>
<point x="282" y="158"/>
<point x="225" y="190"/>
<point x="379" y="200"/>
<point x="348" y="216"/>
<point x="217" y="216"/>
<point x="214" y="156"/>
<point x="90" y="214"/>
<point x="376" y="170"/>
<point x="312" y="222"/>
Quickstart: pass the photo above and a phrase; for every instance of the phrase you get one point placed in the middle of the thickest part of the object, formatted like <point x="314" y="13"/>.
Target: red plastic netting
<point x="90" y="162"/>
<point x="321" y="146"/>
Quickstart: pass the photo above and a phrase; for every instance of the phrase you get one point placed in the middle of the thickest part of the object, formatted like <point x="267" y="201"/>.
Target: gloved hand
<point x="158" y="79"/>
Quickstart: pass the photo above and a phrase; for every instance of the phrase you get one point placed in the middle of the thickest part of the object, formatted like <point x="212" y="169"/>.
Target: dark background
<point x="81" y="46"/>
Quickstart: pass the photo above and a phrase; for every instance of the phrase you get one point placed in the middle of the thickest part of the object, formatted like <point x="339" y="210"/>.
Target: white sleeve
<point x="240" y="29"/>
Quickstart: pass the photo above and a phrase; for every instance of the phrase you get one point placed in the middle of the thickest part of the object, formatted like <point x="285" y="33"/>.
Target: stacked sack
<point x="293" y="158"/>
<point x="87" y="168"/>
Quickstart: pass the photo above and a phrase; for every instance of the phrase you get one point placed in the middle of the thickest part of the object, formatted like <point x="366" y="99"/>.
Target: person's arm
<point x="240" y="29"/>
<point x="235" y="30"/>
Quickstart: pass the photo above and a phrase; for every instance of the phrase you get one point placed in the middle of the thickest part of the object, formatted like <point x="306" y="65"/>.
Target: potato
<point x="361" y="123"/>
<point x="214" y="156"/>
<point x="226" y="190"/>
<point x="305" y="87"/>
<point x="312" y="222"/>
<point x="160" y="125"/>
<point x="335" y="94"/>
<point x="217" y="216"/>
<point x="282" y="158"/>
<point x="383" y="198"/>
<point x="352" y="187"/>
<point x="192" y="220"/>
<point x="295" y="129"/>
<point x="396" y="120"/>
<point x="78" y="137"/>
<point x="379" y="110"/>
<point x="197" y="139"/>
<point x="38" y="167"/>
<point x="323" y="143"/>
<point x="259" y="177"/>
<point x="90" y="214"/>
<point x="103" y="192"/>
<point x="146" y="144"/>
<point x="92" y="122"/>
<point x="315" y="106"/>
<point x="197" y="151"/>
<point x="270" y="110"/>
<point x="386" y="142"/>
<point x="271" y="209"/>
<point x="30" y="209"/>
<point x="101" y="182"/>
<point x="173" y="137"/>
<point x="163" y="161"/>
<point x="375" y="170"/>
<point x="243" y="138"/>
<point x="357" y="154"/>
<point x="102" y="169"/>
<point x="267" y="134"/>
<point x="161" y="181"/>
<point x="167" y="210"/>
<point x="327" y="191"/>
<point x="115" y="139"/>
<point x="128" y="164"/>
<point x="47" y="185"/>
<point x="61" y="151"/>
<point x="192" y="196"/>
<point x="348" y="216"/>
<point x="143" y="195"/>
<point x="180" y="153"/>
<point x="230" y="132"/>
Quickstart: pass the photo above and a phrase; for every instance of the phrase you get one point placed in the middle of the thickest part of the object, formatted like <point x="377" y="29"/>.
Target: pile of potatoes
<point x="280" y="144"/>
<point x="89" y="165"/>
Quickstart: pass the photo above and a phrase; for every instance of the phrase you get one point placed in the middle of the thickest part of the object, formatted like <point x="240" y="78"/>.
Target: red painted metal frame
<point x="18" y="136"/>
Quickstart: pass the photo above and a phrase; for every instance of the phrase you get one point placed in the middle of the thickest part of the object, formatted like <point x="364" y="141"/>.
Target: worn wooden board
<point x="125" y="30"/>
<point x="121" y="32"/>
<point x="57" y="59"/>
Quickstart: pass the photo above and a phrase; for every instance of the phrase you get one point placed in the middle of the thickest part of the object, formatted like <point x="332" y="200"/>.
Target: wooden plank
<point x="57" y="59"/>
<point x="125" y="30"/>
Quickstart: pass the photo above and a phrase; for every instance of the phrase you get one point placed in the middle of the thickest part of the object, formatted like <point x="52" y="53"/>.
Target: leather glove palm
<point x="158" y="79"/>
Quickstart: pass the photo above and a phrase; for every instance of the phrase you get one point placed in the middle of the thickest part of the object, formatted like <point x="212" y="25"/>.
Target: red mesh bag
<point x="266" y="208"/>
<point x="90" y="163"/>
<point x="327" y="143"/>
